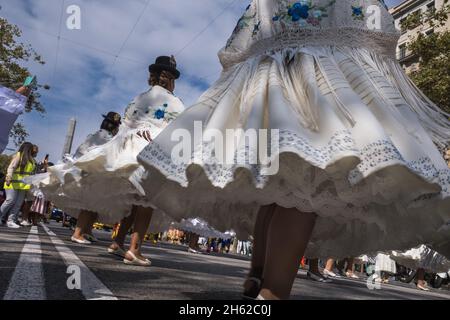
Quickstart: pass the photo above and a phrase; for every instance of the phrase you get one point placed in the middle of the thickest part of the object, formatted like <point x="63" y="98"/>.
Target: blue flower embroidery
<point x="160" y="114"/>
<point x="298" y="11"/>
<point x="303" y="13"/>
<point x="357" y="13"/>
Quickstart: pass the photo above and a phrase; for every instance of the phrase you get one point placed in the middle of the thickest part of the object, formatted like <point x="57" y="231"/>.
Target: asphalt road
<point x="34" y="264"/>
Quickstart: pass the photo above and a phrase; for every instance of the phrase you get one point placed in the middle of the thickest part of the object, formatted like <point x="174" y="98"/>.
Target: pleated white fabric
<point x="201" y="228"/>
<point x="422" y="257"/>
<point x="353" y="137"/>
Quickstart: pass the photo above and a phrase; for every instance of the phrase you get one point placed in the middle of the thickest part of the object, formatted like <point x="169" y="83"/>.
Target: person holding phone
<point x="21" y="166"/>
<point x="12" y="104"/>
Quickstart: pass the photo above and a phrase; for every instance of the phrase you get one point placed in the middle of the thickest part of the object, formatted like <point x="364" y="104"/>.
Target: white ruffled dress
<point x="355" y="136"/>
<point x="62" y="183"/>
<point x="110" y="173"/>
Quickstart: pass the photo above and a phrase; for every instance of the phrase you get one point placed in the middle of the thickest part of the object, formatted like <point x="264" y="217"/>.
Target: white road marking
<point x="91" y="287"/>
<point x="27" y="282"/>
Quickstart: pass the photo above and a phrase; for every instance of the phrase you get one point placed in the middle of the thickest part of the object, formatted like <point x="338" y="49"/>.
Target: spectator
<point x="21" y="166"/>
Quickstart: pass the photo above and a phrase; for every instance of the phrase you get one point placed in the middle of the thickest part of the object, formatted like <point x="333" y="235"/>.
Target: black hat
<point x="114" y="118"/>
<point x="165" y="63"/>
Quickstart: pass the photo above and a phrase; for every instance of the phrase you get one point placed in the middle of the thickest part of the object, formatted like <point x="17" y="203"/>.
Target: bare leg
<point x="251" y="286"/>
<point x="90" y="223"/>
<point x="421" y="283"/>
<point x="193" y="241"/>
<point x="288" y="237"/>
<point x="349" y="267"/>
<point x="125" y="226"/>
<point x="141" y="224"/>
<point x="330" y="265"/>
<point x="83" y="220"/>
<point x="260" y="233"/>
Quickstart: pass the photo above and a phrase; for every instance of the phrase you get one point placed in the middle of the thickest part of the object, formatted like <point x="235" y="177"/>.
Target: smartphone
<point x="47" y="156"/>
<point x="29" y="81"/>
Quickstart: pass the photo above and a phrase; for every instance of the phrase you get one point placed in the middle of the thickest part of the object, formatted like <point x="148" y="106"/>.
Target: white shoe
<point x="25" y="223"/>
<point x="136" y="261"/>
<point x="351" y="275"/>
<point x="330" y="274"/>
<point x="12" y="225"/>
<point x="423" y="288"/>
<point x="190" y="250"/>
<point x="84" y="241"/>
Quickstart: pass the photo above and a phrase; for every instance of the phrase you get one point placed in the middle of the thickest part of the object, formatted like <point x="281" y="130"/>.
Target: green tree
<point x="433" y="50"/>
<point x="13" y="54"/>
<point x="4" y="163"/>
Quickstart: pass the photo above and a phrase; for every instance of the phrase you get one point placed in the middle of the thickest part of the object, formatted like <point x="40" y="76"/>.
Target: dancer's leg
<point x="252" y="286"/>
<point x="141" y="224"/>
<point x="83" y="220"/>
<point x="288" y="237"/>
<point x="125" y="225"/>
<point x="87" y="228"/>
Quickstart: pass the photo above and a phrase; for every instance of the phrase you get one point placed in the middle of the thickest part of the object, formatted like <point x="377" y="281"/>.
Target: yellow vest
<point x="18" y="176"/>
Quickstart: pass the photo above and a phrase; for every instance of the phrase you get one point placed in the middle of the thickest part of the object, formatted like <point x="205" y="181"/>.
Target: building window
<point x="402" y="28"/>
<point x="402" y="51"/>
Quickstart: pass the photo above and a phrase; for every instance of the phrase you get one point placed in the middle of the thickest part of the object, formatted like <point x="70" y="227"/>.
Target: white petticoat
<point x="370" y="171"/>
<point x="422" y="257"/>
<point x="200" y="228"/>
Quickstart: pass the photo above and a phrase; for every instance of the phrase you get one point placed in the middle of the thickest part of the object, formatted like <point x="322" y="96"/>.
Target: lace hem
<point x="373" y="157"/>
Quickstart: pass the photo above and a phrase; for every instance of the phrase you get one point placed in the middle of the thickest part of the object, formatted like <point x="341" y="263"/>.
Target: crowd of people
<point x="359" y="166"/>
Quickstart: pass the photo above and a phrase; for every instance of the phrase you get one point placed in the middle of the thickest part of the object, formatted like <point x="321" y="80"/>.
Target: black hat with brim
<point x="114" y="118"/>
<point x="165" y="63"/>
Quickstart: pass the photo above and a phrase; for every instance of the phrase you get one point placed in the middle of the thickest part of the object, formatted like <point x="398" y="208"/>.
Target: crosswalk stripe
<point x="27" y="282"/>
<point x="91" y="287"/>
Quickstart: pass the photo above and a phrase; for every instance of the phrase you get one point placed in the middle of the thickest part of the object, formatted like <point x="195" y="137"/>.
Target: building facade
<point x="402" y="11"/>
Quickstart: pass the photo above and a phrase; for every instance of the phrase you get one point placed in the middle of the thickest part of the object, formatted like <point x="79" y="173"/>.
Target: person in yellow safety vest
<point x="21" y="166"/>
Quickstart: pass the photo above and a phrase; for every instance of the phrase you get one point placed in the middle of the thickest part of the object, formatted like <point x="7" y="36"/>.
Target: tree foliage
<point x="433" y="74"/>
<point x="13" y="55"/>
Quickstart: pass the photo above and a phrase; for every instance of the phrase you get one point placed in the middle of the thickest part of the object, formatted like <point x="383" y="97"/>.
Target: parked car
<point x="57" y="215"/>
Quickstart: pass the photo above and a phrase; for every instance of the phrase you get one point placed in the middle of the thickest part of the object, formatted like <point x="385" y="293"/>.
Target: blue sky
<point x="87" y="78"/>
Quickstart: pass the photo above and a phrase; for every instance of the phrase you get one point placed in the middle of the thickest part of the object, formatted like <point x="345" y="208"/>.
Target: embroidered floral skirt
<point x="349" y="147"/>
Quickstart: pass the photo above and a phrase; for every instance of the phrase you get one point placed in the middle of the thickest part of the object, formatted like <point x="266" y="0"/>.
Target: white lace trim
<point x="374" y="156"/>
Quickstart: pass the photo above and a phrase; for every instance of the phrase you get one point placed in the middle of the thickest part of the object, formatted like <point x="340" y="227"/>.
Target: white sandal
<point x="136" y="261"/>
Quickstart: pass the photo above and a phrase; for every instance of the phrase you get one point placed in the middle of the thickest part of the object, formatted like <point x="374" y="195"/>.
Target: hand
<point x="145" y="134"/>
<point x="25" y="91"/>
<point x="8" y="181"/>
